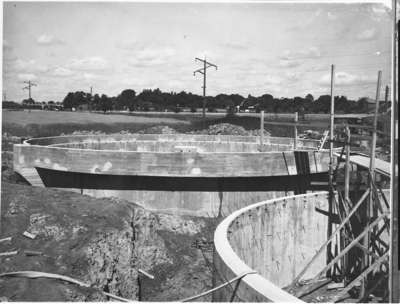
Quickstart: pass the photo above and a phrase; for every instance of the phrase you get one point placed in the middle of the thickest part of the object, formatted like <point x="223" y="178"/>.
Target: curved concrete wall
<point x="167" y="137"/>
<point x="192" y="157"/>
<point x="276" y="238"/>
<point x="107" y="155"/>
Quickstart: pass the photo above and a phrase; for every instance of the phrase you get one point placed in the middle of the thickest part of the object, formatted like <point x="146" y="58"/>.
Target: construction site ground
<point x="98" y="241"/>
<point x="104" y="242"/>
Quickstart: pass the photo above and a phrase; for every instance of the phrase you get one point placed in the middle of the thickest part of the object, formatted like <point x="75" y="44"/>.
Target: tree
<point x="361" y="106"/>
<point x="69" y="101"/>
<point x="309" y="98"/>
<point x="75" y="99"/>
<point x="105" y="103"/>
<point x="323" y="104"/>
<point x="342" y="105"/>
<point x="266" y="103"/>
<point x="125" y="100"/>
<point x="299" y="104"/>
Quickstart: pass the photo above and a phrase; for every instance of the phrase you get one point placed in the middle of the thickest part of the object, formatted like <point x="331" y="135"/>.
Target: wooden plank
<point x="324" y="137"/>
<point x="341" y="254"/>
<point x="354" y="209"/>
<point x="364" y="274"/>
<point x="381" y="167"/>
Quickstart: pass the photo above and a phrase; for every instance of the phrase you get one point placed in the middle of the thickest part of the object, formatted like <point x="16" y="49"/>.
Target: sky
<point x="281" y="49"/>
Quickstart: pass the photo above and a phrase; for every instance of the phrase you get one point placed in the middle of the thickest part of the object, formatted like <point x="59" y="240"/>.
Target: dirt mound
<point x="159" y="129"/>
<point x="99" y="241"/>
<point x="229" y="129"/>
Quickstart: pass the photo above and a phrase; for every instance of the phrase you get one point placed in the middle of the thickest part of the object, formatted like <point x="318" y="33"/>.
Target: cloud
<point x="347" y="79"/>
<point x="309" y="52"/>
<point x="272" y="80"/>
<point x="48" y="40"/>
<point x="237" y="46"/>
<point x="91" y="77"/>
<point x="127" y="45"/>
<point x="131" y="81"/>
<point x="28" y="66"/>
<point x="175" y="84"/>
<point x="62" y="72"/>
<point x="331" y="16"/>
<point x="289" y="63"/>
<point x="208" y="54"/>
<point x="6" y="46"/>
<point x="26" y="77"/>
<point x="367" y="35"/>
<point x="88" y="64"/>
<point x="292" y="76"/>
<point x="318" y="12"/>
<point x="8" y="58"/>
<point x="319" y="67"/>
<point x="379" y="10"/>
<point x="151" y="56"/>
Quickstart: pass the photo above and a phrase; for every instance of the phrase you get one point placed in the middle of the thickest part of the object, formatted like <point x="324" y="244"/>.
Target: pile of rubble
<point x="311" y="134"/>
<point x="217" y="129"/>
<point x="229" y="129"/>
<point x="159" y="129"/>
<point x="85" y="132"/>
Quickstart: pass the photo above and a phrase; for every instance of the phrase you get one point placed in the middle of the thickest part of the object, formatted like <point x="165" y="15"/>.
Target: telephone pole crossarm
<point x="209" y="63"/>
<point x="200" y="70"/>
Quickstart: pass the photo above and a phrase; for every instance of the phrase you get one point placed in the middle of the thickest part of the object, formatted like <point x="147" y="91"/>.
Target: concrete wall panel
<point x="276" y="238"/>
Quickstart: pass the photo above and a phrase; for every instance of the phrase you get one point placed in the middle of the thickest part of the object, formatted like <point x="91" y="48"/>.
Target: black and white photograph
<point x="199" y="151"/>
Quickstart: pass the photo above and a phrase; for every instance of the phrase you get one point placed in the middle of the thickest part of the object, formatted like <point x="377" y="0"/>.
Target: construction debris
<point x="8" y="253"/>
<point x="29" y="235"/>
<point x="6" y="239"/>
<point x="229" y="129"/>
<point x="337" y="285"/>
<point x="146" y="273"/>
<point x="31" y="253"/>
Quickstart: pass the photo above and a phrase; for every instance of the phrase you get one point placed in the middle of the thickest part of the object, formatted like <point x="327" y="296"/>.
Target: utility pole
<point x="203" y="71"/>
<point x="4" y="96"/>
<point x="91" y="98"/>
<point x="30" y="84"/>
<point x="394" y="259"/>
<point x="386" y="95"/>
<point x="331" y="194"/>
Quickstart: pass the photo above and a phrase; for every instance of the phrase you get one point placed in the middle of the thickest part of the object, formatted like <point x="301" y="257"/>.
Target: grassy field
<point x="25" y="117"/>
<point x="47" y="123"/>
<point x="50" y="123"/>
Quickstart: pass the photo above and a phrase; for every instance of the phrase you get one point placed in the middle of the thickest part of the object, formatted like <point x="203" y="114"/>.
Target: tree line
<point x="157" y="100"/>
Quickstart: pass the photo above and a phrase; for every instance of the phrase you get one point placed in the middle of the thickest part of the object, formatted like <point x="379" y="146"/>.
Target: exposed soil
<point x="100" y="241"/>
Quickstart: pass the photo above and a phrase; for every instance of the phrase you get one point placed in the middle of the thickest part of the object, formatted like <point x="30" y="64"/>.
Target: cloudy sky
<point x="282" y="49"/>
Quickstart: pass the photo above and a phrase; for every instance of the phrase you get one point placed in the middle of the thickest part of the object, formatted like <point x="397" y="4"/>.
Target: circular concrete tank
<point x="203" y="175"/>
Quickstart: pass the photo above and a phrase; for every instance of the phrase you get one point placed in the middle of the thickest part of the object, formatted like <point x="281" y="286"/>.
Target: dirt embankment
<point x="99" y="241"/>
